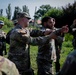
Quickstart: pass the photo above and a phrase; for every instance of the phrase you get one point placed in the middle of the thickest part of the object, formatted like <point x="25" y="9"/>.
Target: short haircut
<point x="45" y="19"/>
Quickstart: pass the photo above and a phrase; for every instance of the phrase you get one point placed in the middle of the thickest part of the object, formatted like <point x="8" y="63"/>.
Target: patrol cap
<point x="23" y="14"/>
<point x="1" y="22"/>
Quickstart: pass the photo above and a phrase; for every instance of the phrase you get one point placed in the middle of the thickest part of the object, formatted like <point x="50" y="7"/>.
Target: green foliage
<point x="25" y="9"/>
<point x="1" y="12"/>
<point x="42" y="10"/>
<point x="17" y="9"/>
<point x="53" y="12"/>
<point x="8" y="24"/>
<point x="68" y="37"/>
<point x="67" y="48"/>
<point x="8" y="11"/>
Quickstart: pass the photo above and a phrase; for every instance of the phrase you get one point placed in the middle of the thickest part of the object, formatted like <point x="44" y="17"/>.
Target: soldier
<point x="7" y="67"/>
<point x="20" y="40"/>
<point x="72" y="29"/>
<point x="69" y="66"/>
<point x="8" y="34"/>
<point x="2" y="39"/>
<point x="45" y="50"/>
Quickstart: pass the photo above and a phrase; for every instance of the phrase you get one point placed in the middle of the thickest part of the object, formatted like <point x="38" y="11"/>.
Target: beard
<point x="49" y="27"/>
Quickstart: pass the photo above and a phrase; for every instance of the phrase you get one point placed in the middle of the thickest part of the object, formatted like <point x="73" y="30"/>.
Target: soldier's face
<point x="26" y="21"/>
<point x="50" y="23"/>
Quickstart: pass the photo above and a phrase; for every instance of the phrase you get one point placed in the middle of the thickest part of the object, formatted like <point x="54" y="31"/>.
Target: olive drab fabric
<point x="19" y="47"/>
<point x="7" y="67"/>
<point x="2" y="42"/>
<point x="44" y="63"/>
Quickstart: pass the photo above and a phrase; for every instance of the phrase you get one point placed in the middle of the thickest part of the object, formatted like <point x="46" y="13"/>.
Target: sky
<point x="32" y="4"/>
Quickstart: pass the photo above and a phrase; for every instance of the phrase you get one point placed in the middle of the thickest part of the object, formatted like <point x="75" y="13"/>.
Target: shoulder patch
<point x="23" y="31"/>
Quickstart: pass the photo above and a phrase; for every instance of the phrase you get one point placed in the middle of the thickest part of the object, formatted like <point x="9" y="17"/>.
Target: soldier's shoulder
<point x="18" y="31"/>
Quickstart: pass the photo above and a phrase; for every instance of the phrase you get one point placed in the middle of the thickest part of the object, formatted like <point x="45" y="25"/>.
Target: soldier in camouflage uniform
<point x="72" y="29"/>
<point x="7" y="67"/>
<point x="20" y="40"/>
<point x="69" y="66"/>
<point x="8" y="34"/>
<point x="2" y="39"/>
<point x="44" y="62"/>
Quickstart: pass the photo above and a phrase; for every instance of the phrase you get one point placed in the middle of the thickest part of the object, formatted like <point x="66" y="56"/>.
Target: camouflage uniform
<point x="44" y="61"/>
<point x="2" y="42"/>
<point x="19" y="47"/>
<point x="69" y="67"/>
<point x="7" y="67"/>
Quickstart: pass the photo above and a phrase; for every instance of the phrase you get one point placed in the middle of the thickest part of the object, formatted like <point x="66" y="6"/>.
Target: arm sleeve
<point x="26" y="39"/>
<point x="36" y="33"/>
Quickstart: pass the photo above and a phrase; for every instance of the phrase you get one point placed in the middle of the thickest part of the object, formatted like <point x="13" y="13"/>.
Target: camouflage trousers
<point x="44" y="67"/>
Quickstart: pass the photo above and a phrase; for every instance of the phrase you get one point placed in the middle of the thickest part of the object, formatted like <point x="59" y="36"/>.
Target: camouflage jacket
<point x="69" y="67"/>
<point x="2" y="40"/>
<point x="7" y="67"/>
<point x="19" y="46"/>
<point x="44" y="50"/>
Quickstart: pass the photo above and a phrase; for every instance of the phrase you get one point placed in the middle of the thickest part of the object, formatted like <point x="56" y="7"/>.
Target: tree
<point x="8" y="11"/>
<point x="69" y="13"/>
<point x="42" y="10"/>
<point x="17" y="9"/>
<point x="56" y="13"/>
<point x="25" y="9"/>
<point x="1" y="12"/>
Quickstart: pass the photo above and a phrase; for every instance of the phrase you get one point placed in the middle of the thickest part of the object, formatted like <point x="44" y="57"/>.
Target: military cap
<point x="23" y="14"/>
<point x="1" y="22"/>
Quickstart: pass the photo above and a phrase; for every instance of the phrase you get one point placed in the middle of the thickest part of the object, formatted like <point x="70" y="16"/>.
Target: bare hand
<point x="48" y="31"/>
<point x="64" y="29"/>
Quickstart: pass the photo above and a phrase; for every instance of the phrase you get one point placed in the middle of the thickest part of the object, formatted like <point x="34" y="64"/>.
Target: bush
<point x="68" y="37"/>
<point x="8" y="24"/>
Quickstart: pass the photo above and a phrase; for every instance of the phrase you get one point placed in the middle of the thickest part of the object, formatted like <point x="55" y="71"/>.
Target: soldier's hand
<point x="48" y="31"/>
<point x="64" y="29"/>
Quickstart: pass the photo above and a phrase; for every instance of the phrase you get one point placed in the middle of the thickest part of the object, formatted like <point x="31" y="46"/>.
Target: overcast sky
<point x="32" y="4"/>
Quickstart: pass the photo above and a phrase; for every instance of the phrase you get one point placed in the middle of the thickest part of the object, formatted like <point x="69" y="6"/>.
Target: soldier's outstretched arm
<point x="22" y="36"/>
<point x="36" y="33"/>
<point x="46" y="39"/>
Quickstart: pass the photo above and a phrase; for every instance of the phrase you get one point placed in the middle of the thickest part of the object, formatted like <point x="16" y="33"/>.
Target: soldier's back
<point x="69" y="67"/>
